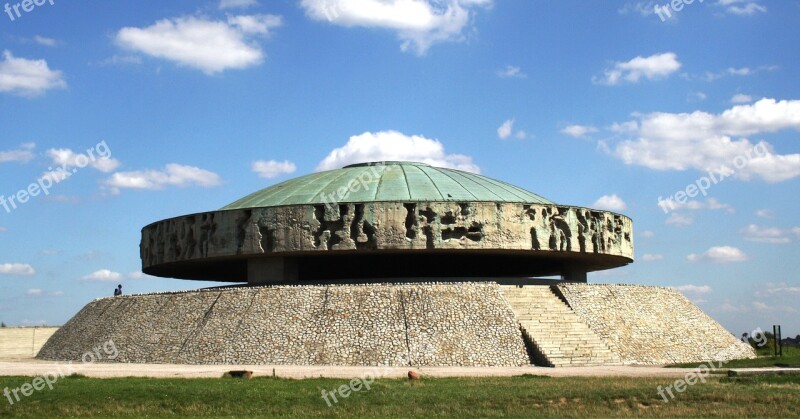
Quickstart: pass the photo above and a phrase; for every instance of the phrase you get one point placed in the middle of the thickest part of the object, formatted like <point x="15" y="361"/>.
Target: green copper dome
<point x="387" y="182"/>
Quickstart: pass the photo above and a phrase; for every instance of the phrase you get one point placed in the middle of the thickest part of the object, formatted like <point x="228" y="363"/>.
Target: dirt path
<point x="33" y="367"/>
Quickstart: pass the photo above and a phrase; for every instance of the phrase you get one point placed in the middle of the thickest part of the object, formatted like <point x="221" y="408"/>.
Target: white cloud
<point x="139" y="275"/>
<point x="730" y="71"/>
<point x="28" y="78"/>
<point x="656" y="66"/>
<point x="48" y="42"/>
<point x="3" y="229"/>
<point x="22" y="154"/>
<point x="649" y="257"/>
<point x="270" y="168"/>
<point x="16" y="269"/>
<point x="764" y="234"/>
<point x="742" y="7"/>
<point x="796" y="231"/>
<point x="506" y="130"/>
<point x="624" y="127"/>
<point x="511" y="71"/>
<point x="236" y="4"/>
<point x="172" y="175"/>
<point x="703" y="141"/>
<point x="256" y="24"/>
<point x="394" y="145"/>
<point x="68" y="159"/>
<point x="740" y="98"/>
<point x="694" y="292"/>
<point x="695" y="205"/>
<point x="679" y="220"/>
<point x="696" y="289"/>
<point x="610" y="203"/>
<point x="719" y="254"/>
<point x="578" y="131"/>
<point x="648" y="233"/>
<point x="207" y="45"/>
<point x="418" y="23"/>
<point x="643" y="8"/>
<point x="34" y="292"/>
<point x="696" y="97"/>
<point x="765" y="213"/>
<point x="103" y="275"/>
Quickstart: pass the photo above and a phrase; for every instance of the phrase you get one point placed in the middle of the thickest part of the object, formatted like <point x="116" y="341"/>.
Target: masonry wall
<point x="652" y="325"/>
<point x="416" y="324"/>
<point x="23" y="342"/>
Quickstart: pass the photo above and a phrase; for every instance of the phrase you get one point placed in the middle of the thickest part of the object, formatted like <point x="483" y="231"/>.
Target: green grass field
<point x="776" y="396"/>
<point x="790" y="358"/>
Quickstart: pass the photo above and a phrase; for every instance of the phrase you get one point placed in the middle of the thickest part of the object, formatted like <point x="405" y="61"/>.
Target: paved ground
<point x="33" y="367"/>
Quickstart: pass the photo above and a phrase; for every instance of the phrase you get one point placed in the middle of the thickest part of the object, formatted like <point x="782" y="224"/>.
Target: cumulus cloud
<point x="22" y="154"/>
<point x="16" y="269"/>
<point x="172" y="175"/>
<point x="270" y="168"/>
<point x="105" y="275"/>
<point x="648" y="233"/>
<point x="656" y="66"/>
<point x="649" y="257"/>
<point x="417" y="23"/>
<point x="28" y="78"/>
<point x="394" y="145"/>
<point x="610" y="203"/>
<point x="506" y="129"/>
<point x="208" y="45"/>
<point x="696" y="97"/>
<point x="771" y="235"/>
<point x="719" y="254"/>
<point x="511" y="71"/>
<point x="578" y="131"/>
<point x="3" y="229"/>
<point x="236" y="4"/>
<point x="703" y="141"/>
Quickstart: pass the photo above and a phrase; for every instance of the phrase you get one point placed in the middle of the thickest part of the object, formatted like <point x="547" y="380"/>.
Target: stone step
<point x="555" y="330"/>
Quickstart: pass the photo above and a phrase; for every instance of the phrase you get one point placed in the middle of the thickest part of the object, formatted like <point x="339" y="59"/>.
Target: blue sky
<point x="157" y="109"/>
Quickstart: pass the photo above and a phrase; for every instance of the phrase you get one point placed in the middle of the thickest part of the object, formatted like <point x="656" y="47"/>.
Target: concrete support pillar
<point x="573" y="275"/>
<point x="262" y="271"/>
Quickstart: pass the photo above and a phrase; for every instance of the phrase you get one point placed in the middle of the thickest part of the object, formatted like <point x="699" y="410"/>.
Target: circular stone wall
<point x="387" y="239"/>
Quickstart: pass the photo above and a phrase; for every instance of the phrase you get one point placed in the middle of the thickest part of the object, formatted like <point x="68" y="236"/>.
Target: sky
<point x="118" y="114"/>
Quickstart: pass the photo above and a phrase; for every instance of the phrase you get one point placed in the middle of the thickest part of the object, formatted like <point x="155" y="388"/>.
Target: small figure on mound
<point x="118" y="290"/>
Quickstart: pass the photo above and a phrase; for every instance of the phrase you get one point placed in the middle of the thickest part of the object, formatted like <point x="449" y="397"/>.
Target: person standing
<point x="118" y="291"/>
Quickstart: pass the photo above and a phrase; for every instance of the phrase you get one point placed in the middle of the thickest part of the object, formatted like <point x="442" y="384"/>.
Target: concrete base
<point x="420" y="324"/>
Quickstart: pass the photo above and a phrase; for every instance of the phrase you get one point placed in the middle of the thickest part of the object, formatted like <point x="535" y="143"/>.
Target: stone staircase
<point x="554" y="334"/>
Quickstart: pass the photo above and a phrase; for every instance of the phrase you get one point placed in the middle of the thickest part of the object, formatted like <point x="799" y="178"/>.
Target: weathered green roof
<point x="387" y="181"/>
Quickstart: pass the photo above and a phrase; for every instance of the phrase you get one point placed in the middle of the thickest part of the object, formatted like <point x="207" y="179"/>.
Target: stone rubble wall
<point x="467" y="324"/>
<point x="652" y="325"/>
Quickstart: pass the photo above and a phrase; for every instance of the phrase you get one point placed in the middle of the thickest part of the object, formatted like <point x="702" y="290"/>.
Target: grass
<point x="521" y="396"/>
<point x="790" y="358"/>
